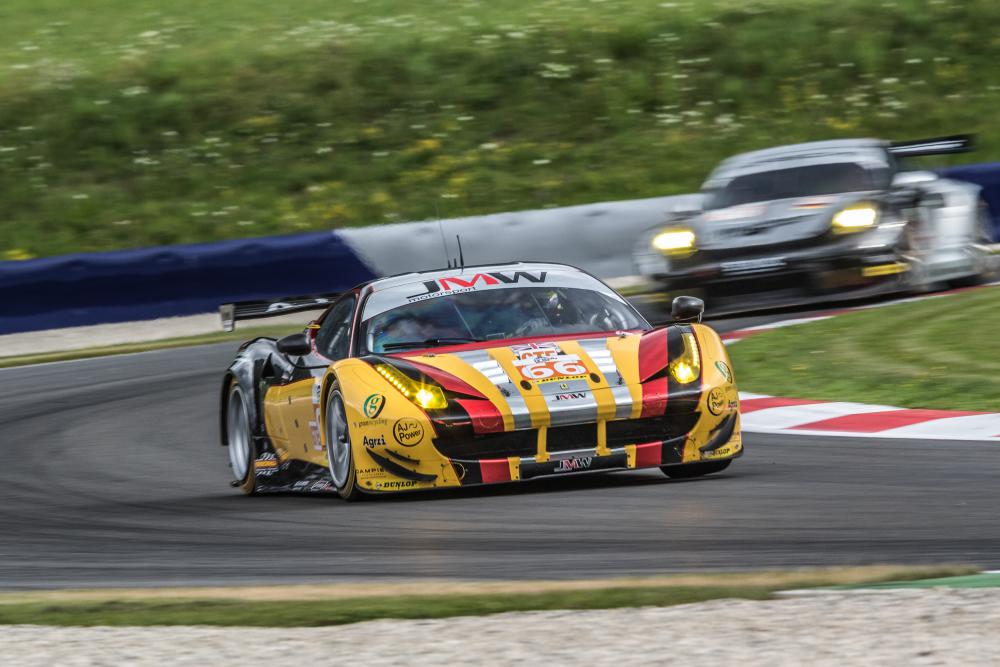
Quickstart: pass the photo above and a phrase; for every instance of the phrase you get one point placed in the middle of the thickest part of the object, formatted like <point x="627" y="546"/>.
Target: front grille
<point x="563" y="438"/>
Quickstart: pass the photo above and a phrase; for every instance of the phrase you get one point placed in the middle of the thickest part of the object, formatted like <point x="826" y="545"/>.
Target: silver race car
<point x="819" y="221"/>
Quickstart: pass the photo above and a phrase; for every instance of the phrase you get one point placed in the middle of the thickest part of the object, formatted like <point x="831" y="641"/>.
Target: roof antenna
<point x="461" y="258"/>
<point x="444" y="244"/>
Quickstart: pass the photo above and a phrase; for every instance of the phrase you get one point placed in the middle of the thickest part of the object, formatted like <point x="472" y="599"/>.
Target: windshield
<point x="496" y="315"/>
<point x="818" y="179"/>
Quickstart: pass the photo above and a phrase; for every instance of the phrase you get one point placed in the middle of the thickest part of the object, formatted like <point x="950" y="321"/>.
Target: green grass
<point x="303" y="613"/>
<point x="130" y="348"/>
<point x="942" y="352"/>
<point x="137" y="122"/>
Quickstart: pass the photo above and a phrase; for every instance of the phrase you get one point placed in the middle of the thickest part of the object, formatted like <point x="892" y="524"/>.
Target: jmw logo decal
<point x="452" y="283"/>
<point x="574" y="464"/>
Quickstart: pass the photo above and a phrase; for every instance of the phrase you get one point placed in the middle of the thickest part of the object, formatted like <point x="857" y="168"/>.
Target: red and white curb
<point x="773" y="414"/>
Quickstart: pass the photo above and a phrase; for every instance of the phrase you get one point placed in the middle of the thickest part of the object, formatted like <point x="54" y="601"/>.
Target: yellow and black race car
<point x="475" y="375"/>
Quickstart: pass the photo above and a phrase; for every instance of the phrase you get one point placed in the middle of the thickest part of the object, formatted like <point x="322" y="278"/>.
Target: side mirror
<point x="687" y="309"/>
<point x="296" y="345"/>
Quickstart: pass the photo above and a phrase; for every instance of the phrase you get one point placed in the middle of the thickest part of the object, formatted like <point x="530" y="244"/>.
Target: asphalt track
<point x="110" y="475"/>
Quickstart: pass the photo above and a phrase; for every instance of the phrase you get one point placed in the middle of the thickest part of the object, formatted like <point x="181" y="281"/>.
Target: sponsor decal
<point x="371" y="423"/>
<point x="317" y="391"/>
<point x="408" y="431"/>
<point x="458" y="284"/>
<point x="574" y="464"/>
<point x="724" y="369"/>
<point x="371" y="472"/>
<point x="372" y="443"/>
<point x="396" y="484"/>
<point x="316" y="436"/>
<point x="266" y="465"/>
<point x="545" y="362"/>
<point x="716" y="401"/>
<point x="373" y="405"/>
<point x="571" y="397"/>
<point x="564" y="386"/>
<point x="322" y="485"/>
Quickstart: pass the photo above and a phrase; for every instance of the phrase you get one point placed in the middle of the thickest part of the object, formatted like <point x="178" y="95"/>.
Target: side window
<point x="333" y="339"/>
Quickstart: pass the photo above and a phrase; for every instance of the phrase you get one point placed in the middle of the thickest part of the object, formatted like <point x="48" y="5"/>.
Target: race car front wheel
<point x="239" y="439"/>
<point x="338" y="447"/>
<point x="689" y="470"/>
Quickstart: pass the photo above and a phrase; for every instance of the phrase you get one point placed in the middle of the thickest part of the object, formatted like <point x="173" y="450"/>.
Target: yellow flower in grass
<point x="380" y="198"/>
<point x="17" y="255"/>
<point x="428" y="144"/>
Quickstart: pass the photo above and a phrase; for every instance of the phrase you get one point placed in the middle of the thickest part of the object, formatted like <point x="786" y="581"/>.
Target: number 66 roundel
<point x="554" y="369"/>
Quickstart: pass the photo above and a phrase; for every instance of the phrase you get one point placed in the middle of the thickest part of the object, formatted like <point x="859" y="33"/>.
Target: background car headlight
<point x="676" y="241"/>
<point x="855" y="218"/>
<point x="426" y="395"/>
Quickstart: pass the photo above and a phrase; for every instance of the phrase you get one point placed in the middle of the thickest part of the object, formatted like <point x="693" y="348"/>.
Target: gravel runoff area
<point x="912" y="627"/>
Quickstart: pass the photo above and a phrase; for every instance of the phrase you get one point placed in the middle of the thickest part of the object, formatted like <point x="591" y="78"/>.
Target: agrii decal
<point x="457" y="284"/>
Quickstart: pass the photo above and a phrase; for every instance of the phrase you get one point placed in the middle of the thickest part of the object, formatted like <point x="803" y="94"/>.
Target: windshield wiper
<point x="430" y="342"/>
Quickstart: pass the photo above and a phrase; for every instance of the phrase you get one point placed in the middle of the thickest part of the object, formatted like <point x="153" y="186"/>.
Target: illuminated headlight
<point x="674" y="241"/>
<point x="687" y="367"/>
<point x="427" y="396"/>
<point x="855" y="218"/>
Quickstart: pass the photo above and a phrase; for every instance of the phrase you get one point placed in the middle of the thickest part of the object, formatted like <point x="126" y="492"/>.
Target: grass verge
<point x="300" y="606"/>
<point x="942" y="352"/>
<point x="147" y="346"/>
<point x="138" y="122"/>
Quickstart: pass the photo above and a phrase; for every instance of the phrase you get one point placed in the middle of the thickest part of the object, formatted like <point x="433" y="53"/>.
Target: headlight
<point x="426" y="395"/>
<point x="855" y="218"/>
<point x="674" y="241"/>
<point x="687" y="367"/>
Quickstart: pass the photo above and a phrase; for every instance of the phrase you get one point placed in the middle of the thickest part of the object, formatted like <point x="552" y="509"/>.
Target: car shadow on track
<point x="569" y="483"/>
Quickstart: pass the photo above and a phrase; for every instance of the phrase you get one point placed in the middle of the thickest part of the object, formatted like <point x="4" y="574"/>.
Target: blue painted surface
<point x="130" y="285"/>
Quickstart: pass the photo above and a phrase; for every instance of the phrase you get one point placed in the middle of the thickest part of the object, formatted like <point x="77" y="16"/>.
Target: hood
<point x="558" y="382"/>
<point x="769" y="222"/>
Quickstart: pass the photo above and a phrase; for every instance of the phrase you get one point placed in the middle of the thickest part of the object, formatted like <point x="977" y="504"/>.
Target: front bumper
<point x="731" y="282"/>
<point x="725" y="443"/>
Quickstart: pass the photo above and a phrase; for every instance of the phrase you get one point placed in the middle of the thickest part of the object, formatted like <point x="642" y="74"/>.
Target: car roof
<point x="387" y="293"/>
<point x="799" y="155"/>
<point x="411" y="277"/>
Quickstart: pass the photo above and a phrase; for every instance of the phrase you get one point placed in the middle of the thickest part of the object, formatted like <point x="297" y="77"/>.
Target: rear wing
<point x="231" y="313"/>
<point x="958" y="143"/>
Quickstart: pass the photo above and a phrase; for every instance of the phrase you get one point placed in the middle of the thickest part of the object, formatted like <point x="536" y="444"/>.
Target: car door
<point x="296" y="404"/>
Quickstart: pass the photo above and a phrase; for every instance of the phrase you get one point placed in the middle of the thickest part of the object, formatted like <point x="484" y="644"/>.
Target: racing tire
<point x="691" y="470"/>
<point x="239" y="439"/>
<point x="339" y="454"/>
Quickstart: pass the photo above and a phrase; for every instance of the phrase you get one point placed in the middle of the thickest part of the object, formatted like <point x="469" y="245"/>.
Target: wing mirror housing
<point x="687" y="309"/>
<point x="296" y="345"/>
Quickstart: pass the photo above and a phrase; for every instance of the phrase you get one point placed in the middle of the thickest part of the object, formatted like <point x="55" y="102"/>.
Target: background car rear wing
<point x="231" y="313"/>
<point x="958" y="143"/>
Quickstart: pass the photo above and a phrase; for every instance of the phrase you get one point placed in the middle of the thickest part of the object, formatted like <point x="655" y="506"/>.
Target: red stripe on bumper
<point x="754" y="404"/>
<point x="873" y="422"/>
<point x="654" y="397"/>
<point x="494" y="470"/>
<point x="484" y="415"/>
<point x="649" y="454"/>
